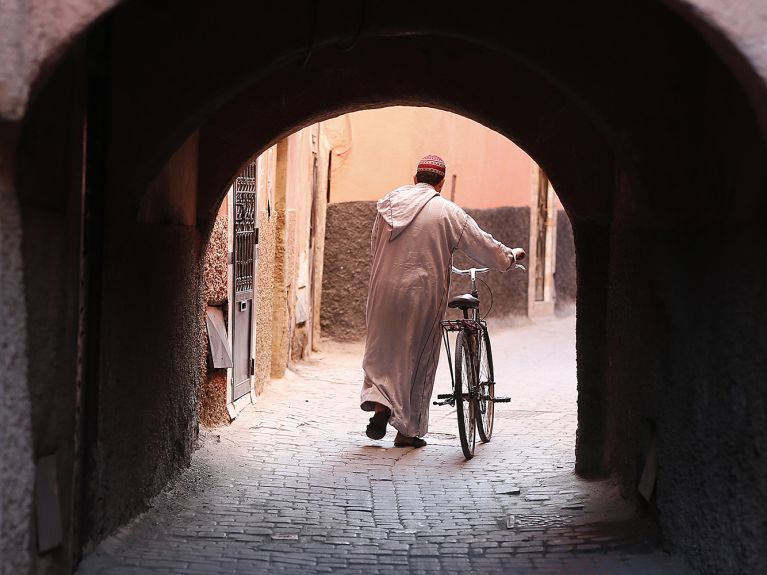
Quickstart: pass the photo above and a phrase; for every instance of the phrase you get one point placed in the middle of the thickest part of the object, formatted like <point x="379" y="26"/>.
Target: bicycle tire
<point x="465" y="403"/>
<point x="486" y="392"/>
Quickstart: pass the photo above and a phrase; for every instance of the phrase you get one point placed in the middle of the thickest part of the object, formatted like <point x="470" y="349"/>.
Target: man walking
<point x="414" y="236"/>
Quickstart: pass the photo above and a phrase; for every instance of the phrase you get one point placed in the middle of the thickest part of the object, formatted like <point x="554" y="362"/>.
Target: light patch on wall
<point x="217" y="340"/>
<point x="302" y="306"/>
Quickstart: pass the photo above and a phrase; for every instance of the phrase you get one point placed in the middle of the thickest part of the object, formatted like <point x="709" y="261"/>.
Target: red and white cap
<point x="432" y="164"/>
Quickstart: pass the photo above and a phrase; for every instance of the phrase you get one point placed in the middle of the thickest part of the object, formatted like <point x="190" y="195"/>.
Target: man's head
<point x="431" y="170"/>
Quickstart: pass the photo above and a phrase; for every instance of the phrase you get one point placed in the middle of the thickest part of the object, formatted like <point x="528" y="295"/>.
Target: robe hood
<point x="400" y="207"/>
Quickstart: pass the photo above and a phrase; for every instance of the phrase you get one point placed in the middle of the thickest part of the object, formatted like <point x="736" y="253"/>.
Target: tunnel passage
<point x="631" y="133"/>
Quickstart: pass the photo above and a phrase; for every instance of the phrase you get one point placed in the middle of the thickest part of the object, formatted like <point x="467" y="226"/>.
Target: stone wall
<point x="565" y="277"/>
<point x="346" y="270"/>
<point x="147" y="413"/>
<point x="49" y="213"/>
<point x="16" y="448"/>
<point x="511" y="227"/>
<point x="347" y="266"/>
<point x="211" y="405"/>
<point x="213" y="388"/>
<point x="265" y="296"/>
<point x="684" y="357"/>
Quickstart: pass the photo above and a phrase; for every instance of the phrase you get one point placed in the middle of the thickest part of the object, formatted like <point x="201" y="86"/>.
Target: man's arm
<point x="486" y="250"/>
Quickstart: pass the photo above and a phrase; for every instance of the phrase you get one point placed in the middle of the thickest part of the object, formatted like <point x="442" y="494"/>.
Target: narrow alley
<point x="295" y="486"/>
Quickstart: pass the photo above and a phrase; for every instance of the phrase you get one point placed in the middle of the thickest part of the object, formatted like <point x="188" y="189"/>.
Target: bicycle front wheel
<point x="486" y="390"/>
<point x="465" y="390"/>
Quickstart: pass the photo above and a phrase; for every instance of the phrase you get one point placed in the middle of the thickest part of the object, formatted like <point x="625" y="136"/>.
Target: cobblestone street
<point x="295" y="486"/>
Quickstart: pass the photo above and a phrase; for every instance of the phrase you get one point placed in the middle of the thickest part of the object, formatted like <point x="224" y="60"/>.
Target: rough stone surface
<point x="510" y="226"/>
<point x="34" y="32"/>
<point x="211" y="397"/>
<point x="215" y="264"/>
<point x="280" y="312"/>
<point x="565" y="276"/>
<point x="346" y="270"/>
<point x="653" y="108"/>
<point x="16" y="466"/>
<point x="211" y="406"/>
<point x="265" y="298"/>
<point x="137" y="454"/>
<point x="49" y="201"/>
<point x="287" y="489"/>
<point x="347" y="266"/>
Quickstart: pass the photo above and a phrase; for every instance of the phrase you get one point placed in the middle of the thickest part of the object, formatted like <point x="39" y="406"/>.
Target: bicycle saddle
<point x="464" y="301"/>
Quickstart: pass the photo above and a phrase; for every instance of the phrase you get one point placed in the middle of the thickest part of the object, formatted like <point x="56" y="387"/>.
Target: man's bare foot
<point x="405" y="441"/>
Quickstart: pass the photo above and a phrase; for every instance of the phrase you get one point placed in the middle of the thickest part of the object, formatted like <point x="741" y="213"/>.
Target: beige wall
<point x="376" y="151"/>
<point x="267" y="222"/>
<point x="306" y="211"/>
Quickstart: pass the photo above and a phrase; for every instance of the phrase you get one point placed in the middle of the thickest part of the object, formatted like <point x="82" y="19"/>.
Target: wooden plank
<point x="217" y="338"/>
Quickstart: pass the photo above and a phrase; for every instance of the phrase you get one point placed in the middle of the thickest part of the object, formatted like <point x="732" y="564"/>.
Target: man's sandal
<point x="377" y="427"/>
<point x="409" y="442"/>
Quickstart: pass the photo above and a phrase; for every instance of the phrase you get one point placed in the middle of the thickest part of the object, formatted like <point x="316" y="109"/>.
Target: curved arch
<point x="596" y="96"/>
<point x="270" y="109"/>
<point x="736" y="33"/>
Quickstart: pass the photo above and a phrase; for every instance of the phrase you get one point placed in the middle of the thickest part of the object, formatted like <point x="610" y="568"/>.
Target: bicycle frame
<point x="473" y="324"/>
<point x="473" y="380"/>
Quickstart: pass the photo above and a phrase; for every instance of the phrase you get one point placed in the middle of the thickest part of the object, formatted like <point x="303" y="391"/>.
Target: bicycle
<point x="473" y="378"/>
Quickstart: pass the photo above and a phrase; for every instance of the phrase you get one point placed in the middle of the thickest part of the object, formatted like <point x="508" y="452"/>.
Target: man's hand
<point x="519" y="254"/>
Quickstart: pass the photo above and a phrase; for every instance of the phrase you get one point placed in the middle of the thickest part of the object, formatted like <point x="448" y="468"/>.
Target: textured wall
<point x="145" y="411"/>
<point x="280" y="311"/>
<point x="34" y="32"/>
<point x="265" y="297"/>
<point x="565" y="279"/>
<point x="510" y="226"/>
<point x="347" y="266"/>
<point x="150" y="367"/>
<point x="686" y="345"/>
<point x="694" y="342"/>
<point x="346" y="270"/>
<point x="211" y="405"/>
<point x="16" y="452"/>
<point x="50" y="200"/>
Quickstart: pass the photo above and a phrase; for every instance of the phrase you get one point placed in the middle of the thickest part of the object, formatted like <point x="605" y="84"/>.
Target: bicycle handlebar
<point x="468" y="271"/>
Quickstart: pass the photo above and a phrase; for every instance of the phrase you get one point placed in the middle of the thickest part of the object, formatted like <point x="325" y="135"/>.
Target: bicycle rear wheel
<point x="486" y="391"/>
<point x="465" y="392"/>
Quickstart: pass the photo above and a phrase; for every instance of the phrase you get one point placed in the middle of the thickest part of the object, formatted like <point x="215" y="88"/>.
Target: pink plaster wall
<point x="383" y="147"/>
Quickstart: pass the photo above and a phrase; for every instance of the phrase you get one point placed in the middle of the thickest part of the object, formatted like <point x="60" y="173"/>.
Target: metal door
<point x="244" y="259"/>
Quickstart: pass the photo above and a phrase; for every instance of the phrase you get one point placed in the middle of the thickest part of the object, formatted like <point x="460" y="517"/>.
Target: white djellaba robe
<point x="414" y="236"/>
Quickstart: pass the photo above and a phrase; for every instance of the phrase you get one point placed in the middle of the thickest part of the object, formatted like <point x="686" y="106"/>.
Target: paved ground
<point x="294" y="486"/>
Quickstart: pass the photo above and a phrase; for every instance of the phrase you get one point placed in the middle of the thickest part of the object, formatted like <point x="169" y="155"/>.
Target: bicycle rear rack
<point x="471" y="326"/>
<point x="460" y="324"/>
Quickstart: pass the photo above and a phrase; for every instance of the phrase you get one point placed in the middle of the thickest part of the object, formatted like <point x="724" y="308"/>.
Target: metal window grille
<point x="244" y="229"/>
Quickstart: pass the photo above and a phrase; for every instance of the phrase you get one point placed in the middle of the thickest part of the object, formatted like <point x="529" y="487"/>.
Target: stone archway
<point x="630" y="133"/>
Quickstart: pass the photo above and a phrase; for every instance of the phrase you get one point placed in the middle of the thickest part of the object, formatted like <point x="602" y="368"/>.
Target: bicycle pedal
<point x="502" y="400"/>
<point x="444" y="396"/>
<point x="444" y="402"/>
